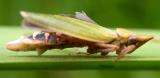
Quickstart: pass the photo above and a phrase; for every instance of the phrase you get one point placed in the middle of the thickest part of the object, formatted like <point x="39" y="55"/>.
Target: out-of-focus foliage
<point x="109" y="13"/>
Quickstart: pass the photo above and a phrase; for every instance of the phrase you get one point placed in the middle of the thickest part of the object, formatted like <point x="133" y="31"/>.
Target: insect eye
<point x="132" y="39"/>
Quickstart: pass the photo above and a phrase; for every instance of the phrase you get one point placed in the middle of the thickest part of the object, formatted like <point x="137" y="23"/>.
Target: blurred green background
<point x="109" y="13"/>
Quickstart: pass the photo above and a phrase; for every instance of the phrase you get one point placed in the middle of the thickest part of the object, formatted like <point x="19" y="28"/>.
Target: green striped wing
<point x="71" y="26"/>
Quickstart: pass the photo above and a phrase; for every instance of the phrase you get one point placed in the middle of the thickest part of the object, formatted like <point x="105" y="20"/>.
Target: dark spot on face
<point x="132" y="40"/>
<point x="40" y="37"/>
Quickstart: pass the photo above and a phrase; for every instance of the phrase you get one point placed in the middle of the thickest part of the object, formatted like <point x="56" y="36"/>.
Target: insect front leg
<point x="103" y="48"/>
<point x="127" y="47"/>
<point x="106" y="51"/>
<point x="108" y="48"/>
<point x="125" y="51"/>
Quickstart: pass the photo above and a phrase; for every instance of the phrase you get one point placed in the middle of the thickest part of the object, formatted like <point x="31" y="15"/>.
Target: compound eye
<point x="132" y="39"/>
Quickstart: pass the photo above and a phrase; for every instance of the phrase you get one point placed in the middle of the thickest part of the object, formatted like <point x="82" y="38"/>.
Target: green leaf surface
<point x="146" y="57"/>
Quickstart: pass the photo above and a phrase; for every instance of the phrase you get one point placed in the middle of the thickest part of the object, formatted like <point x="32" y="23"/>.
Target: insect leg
<point x="103" y="48"/>
<point x="103" y="45"/>
<point x="125" y="51"/>
<point x="127" y="47"/>
<point x="106" y="51"/>
<point x="92" y="50"/>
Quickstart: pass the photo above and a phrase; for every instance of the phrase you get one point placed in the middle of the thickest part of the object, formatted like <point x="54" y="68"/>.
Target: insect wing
<point x="71" y="26"/>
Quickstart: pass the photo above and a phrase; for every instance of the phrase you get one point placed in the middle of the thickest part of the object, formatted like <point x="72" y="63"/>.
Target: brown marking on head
<point x="138" y="41"/>
<point x="132" y="44"/>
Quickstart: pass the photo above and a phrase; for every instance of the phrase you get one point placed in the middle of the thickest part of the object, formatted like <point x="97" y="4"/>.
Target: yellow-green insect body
<point x="61" y="31"/>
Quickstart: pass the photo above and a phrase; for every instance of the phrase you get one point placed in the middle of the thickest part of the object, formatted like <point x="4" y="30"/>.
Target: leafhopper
<point x="79" y="30"/>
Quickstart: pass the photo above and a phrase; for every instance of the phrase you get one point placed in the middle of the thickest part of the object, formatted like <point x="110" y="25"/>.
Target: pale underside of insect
<point x="79" y="30"/>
